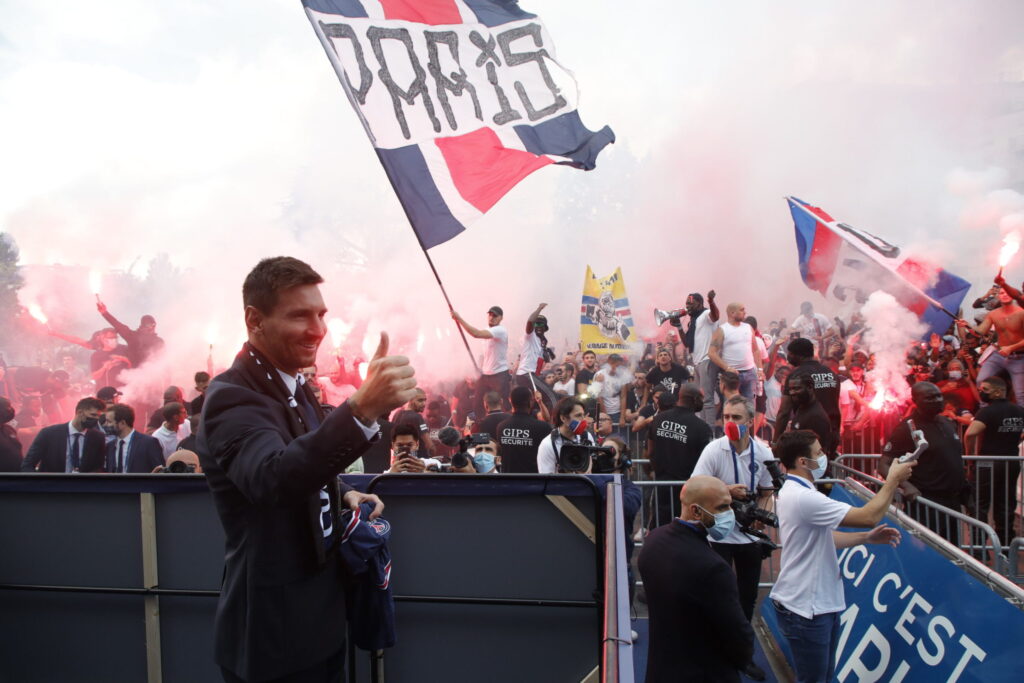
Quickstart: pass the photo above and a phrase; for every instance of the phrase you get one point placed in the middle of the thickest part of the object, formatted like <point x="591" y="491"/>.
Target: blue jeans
<point x="748" y="383"/>
<point x="1014" y="365"/>
<point x="812" y="642"/>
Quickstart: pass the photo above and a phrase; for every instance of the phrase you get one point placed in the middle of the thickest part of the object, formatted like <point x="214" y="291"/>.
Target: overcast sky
<point x="217" y="133"/>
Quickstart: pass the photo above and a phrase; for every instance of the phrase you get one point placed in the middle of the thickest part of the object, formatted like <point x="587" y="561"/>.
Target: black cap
<point x="496" y="310"/>
<point x="148" y="320"/>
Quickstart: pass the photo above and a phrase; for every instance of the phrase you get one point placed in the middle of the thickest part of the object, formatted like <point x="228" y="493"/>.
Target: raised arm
<point x="712" y="306"/>
<point x="533" y="317"/>
<point x="473" y="331"/>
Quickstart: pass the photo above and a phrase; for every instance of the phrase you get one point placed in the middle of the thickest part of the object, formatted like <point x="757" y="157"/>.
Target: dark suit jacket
<point x="49" y="450"/>
<point x="698" y="630"/>
<point x="282" y="605"/>
<point x="144" y="454"/>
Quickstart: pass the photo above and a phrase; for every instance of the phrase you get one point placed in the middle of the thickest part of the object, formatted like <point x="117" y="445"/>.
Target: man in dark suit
<point x="130" y="451"/>
<point x="698" y="629"/>
<point x="271" y="458"/>
<point x="76" y="446"/>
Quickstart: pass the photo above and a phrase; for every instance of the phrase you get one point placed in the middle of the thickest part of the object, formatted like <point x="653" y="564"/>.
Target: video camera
<point x="748" y="513"/>
<point x="449" y="436"/>
<point x="577" y="457"/>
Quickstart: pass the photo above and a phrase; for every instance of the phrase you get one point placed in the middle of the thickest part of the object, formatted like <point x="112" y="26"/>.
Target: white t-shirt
<point x="568" y="387"/>
<point x="169" y="440"/>
<point x="805" y="325"/>
<point x="773" y="398"/>
<point x="702" y="336"/>
<point x="737" y="349"/>
<point x="529" y="358"/>
<point x="496" y="353"/>
<point x="716" y="460"/>
<point x="611" y="387"/>
<point x="809" y="581"/>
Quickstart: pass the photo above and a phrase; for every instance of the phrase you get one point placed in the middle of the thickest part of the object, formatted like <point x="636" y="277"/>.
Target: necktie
<point x="120" y="455"/>
<point x="76" y="451"/>
<point x="312" y="421"/>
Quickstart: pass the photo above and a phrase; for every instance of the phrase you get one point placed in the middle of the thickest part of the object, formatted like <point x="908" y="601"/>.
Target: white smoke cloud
<point x="217" y="135"/>
<point x="890" y="330"/>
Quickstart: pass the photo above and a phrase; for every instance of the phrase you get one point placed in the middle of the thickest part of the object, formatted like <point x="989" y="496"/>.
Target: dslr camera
<point x="749" y="513"/>
<point x="575" y="458"/>
<point x="449" y="436"/>
<point x="178" y="467"/>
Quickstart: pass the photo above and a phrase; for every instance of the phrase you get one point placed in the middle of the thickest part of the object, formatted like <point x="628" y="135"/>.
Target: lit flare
<point x="95" y="281"/>
<point x="37" y="313"/>
<point x="1011" y="245"/>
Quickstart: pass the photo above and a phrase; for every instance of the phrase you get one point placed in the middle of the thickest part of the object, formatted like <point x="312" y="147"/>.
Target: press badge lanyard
<point x="799" y="481"/>
<point x="736" y="466"/>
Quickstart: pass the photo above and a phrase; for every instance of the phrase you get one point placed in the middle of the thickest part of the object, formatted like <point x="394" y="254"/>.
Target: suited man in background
<point x="698" y="629"/>
<point x="130" y="451"/>
<point x="272" y="459"/>
<point x="76" y="446"/>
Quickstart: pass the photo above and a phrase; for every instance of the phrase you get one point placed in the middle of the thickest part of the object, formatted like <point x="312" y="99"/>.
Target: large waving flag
<point x="462" y="99"/>
<point x="606" y="323"/>
<point x="844" y="263"/>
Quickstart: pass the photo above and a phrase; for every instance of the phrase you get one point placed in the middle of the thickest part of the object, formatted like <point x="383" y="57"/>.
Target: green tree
<point x="10" y="282"/>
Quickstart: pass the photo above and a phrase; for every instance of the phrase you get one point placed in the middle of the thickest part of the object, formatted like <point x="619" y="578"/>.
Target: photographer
<point x="571" y="427"/>
<point x="738" y="460"/>
<point x="406" y="449"/>
<point x="808" y="594"/>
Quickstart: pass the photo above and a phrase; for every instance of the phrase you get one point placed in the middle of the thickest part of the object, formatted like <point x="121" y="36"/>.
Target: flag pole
<point x="462" y="333"/>
<point x="917" y="289"/>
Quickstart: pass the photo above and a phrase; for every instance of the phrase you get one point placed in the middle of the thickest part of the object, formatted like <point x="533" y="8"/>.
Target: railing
<point x="617" y="645"/>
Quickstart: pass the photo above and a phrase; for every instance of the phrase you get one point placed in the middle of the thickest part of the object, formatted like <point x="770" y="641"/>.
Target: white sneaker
<point x="634" y="635"/>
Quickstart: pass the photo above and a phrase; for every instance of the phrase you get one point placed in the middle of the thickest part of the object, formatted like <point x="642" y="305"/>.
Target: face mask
<point x="724" y="524"/>
<point x="109" y="430"/>
<point x="90" y="423"/>
<point x="985" y="396"/>
<point x="735" y="432"/>
<point x="930" y="408"/>
<point x="955" y="374"/>
<point x="821" y="463"/>
<point x="483" y="462"/>
<point x="577" y="427"/>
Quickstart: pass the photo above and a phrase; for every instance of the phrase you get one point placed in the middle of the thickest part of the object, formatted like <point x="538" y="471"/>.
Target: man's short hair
<point x="521" y="398"/>
<point x="202" y="376"/>
<point x="565" y="407"/>
<point x="588" y="352"/>
<point x="730" y="380"/>
<point x="801" y="347"/>
<point x="90" y="403"/>
<point x="492" y="399"/>
<point x="123" y="413"/>
<point x="264" y="283"/>
<point x="171" y="410"/>
<point x="747" y="404"/>
<point x="406" y="428"/>
<point x="794" y="445"/>
<point x="665" y="400"/>
<point x="172" y="392"/>
<point x="996" y="382"/>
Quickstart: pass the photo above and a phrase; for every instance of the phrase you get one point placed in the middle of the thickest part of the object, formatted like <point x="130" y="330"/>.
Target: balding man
<point x="187" y="459"/>
<point x="734" y="349"/>
<point x="698" y="629"/>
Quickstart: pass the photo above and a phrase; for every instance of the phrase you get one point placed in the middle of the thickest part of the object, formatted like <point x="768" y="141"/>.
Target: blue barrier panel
<point x="912" y="615"/>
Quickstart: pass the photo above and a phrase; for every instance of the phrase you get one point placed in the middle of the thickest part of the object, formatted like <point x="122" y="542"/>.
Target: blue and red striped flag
<point x="844" y="263"/>
<point x="462" y="99"/>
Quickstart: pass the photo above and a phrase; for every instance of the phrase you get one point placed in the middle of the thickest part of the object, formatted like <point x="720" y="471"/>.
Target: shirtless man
<point x="1008" y="320"/>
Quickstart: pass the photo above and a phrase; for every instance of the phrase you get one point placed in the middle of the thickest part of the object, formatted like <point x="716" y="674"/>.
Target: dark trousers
<point x="997" y="490"/>
<point x="941" y="523"/>
<point x="328" y="671"/>
<point x="745" y="559"/>
<point x="500" y="383"/>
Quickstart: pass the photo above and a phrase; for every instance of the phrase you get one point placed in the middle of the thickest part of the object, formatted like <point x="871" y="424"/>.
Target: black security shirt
<point x="940" y="469"/>
<point x="678" y="437"/>
<point x="1004" y="422"/>
<point x="519" y="437"/>
<point x="826" y="388"/>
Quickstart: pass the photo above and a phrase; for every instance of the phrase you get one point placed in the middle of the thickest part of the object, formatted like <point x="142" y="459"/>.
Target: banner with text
<point x="606" y="323"/>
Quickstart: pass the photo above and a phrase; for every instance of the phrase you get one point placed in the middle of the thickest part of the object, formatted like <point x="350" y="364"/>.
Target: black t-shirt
<point x="826" y="388"/>
<point x="97" y="360"/>
<point x="813" y="417"/>
<point x="519" y="437"/>
<point x="940" y="469"/>
<point x="489" y="425"/>
<point x="585" y="376"/>
<point x="648" y="410"/>
<point x="671" y="379"/>
<point x="678" y="437"/>
<point x="1004" y="422"/>
<point x="633" y="398"/>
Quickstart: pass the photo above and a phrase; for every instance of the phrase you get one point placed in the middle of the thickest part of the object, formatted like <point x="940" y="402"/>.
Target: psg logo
<point x="380" y="526"/>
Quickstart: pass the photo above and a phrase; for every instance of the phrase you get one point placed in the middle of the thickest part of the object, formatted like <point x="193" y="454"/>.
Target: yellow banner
<point x="606" y="323"/>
